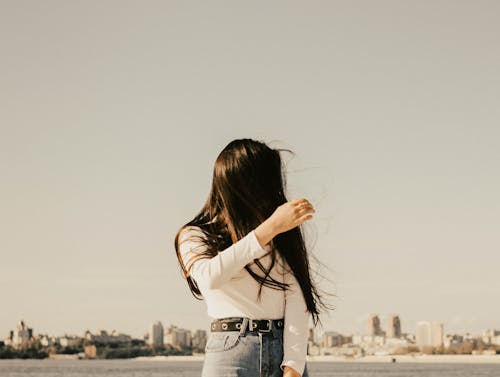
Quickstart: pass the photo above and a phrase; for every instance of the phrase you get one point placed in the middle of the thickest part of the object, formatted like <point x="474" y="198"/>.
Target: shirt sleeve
<point x="295" y="332"/>
<point x="215" y="271"/>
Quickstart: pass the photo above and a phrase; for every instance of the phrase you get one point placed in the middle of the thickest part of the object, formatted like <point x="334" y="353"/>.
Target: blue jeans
<point x="242" y="353"/>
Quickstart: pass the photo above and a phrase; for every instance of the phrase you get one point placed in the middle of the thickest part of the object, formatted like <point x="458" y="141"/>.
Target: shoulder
<point x="190" y="232"/>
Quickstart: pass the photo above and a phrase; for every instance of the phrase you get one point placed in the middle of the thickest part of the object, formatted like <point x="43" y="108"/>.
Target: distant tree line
<point x="31" y="352"/>
<point x="134" y="348"/>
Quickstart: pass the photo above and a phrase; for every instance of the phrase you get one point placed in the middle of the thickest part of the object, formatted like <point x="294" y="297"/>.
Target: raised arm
<point x="295" y="332"/>
<point x="215" y="271"/>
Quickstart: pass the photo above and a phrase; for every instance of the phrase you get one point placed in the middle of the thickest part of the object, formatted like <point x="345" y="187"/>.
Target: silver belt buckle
<point x="269" y="325"/>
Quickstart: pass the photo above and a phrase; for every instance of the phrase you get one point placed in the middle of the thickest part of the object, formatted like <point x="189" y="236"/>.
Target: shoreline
<point x="468" y="359"/>
<point x="389" y="359"/>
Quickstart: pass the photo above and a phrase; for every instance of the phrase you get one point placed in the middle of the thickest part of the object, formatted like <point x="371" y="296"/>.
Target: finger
<point x="305" y="218"/>
<point x="306" y="209"/>
<point x="300" y="206"/>
<point x="302" y="214"/>
<point x="301" y="203"/>
<point x="300" y="211"/>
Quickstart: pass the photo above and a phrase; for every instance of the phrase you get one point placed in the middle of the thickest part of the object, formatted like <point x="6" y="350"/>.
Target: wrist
<point x="265" y="232"/>
<point x="290" y="372"/>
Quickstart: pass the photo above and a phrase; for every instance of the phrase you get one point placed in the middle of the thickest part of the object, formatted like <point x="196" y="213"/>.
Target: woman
<point x="245" y="255"/>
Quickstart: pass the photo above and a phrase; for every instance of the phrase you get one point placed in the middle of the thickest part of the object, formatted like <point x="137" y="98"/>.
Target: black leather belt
<point x="255" y="325"/>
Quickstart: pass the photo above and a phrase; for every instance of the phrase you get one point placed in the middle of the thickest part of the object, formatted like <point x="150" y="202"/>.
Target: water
<point x="131" y="368"/>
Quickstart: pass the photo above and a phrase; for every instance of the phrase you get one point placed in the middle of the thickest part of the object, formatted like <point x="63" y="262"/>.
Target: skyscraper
<point x="156" y="337"/>
<point x="393" y="326"/>
<point x="437" y="334"/>
<point x="423" y="334"/>
<point x="21" y="335"/>
<point x="429" y="334"/>
<point x="374" y="325"/>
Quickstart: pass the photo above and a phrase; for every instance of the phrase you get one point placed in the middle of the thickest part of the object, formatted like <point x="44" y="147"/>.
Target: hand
<point x="287" y="216"/>
<point x="290" y="372"/>
<point x="291" y="214"/>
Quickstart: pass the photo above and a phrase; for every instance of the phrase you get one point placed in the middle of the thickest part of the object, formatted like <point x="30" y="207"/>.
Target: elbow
<point x="208" y="275"/>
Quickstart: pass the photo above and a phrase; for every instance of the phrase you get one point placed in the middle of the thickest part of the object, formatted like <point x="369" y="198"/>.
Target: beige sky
<point x="113" y="113"/>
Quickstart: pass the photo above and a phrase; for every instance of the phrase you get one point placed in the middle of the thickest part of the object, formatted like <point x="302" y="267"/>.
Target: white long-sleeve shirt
<point x="230" y="291"/>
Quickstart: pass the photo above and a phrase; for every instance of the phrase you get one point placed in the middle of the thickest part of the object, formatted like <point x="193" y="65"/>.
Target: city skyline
<point x="109" y="134"/>
<point x="373" y="327"/>
<point x="429" y="338"/>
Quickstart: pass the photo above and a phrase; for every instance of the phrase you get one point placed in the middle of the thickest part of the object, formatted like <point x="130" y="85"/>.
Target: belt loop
<point x="243" y="326"/>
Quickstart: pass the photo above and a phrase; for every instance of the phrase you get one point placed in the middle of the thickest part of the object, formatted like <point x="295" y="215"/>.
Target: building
<point x="156" y="334"/>
<point x="21" y="336"/>
<point x="69" y="341"/>
<point x="315" y="335"/>
<point x="374" y="325"/>
<point x="437" y="333"/>
<point x="453" y="340"/>
<point x="423" y="334"/>
<point x="199" y="339"/>
<point x="332" y="339"/>
<point x="368" y="340"/>
<point x="177" y="337"/>
<point x="47" y="340"/>
<point x="103" y="337"/>
<point x="90" y="351"/>
<point x="393" y="326"/>
<point x="429" y="334"/>
<point x="491" y="336"/>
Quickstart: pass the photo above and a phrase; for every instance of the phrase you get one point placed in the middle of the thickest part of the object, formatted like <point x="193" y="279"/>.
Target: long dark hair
<point x="248" y="185"/>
